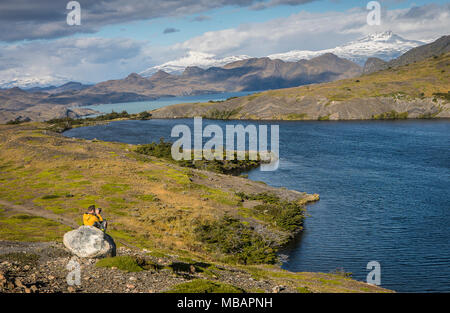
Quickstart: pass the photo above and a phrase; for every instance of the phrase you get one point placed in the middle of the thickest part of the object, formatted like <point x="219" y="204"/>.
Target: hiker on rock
<point x="102" y="222"/>
<point x="93" y="218"/>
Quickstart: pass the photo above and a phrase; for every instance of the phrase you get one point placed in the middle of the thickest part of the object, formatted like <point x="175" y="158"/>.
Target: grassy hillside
<point x="419" y="90"/>
<point x="174" y="213"/>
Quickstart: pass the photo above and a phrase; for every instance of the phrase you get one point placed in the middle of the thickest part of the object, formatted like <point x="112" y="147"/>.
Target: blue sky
<point x="228" y="17"/>
<point x="118" y="37"/>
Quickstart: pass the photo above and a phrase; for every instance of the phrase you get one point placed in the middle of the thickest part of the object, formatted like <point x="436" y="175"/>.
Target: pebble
<point x="129" y="286"/>
<point x="71" y="289"/>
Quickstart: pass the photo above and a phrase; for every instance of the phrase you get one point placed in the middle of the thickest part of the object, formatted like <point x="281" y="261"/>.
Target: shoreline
<point x="93" y="168"/>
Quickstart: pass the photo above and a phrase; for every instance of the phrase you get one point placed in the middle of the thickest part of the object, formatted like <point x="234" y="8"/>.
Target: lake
<point x="140" y="106"/>
<point x="384" y="189"/>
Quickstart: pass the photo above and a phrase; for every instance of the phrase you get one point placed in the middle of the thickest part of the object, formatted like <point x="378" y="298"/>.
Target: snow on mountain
<point x="385" y="45"/>
<point x="193" y="58"/>
<point x="26" y="81"/>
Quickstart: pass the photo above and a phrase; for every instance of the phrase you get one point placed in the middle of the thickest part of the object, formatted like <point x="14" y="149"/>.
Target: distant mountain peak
<point x="192" y="58"/>
<point x="383" y="45"/>
<point x="160" y="75"/>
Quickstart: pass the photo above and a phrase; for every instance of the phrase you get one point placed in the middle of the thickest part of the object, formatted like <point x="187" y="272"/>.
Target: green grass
<point x="296" y="116"/>
<point x="24" y="227"/>
<point x="114" y="188"/>
<point x="204" y="286"/>
<point x="216" y="114"/>
<point x="391" y="115"/>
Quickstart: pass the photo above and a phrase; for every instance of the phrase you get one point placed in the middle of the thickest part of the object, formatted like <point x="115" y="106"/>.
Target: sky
<point x="118" y="37"/>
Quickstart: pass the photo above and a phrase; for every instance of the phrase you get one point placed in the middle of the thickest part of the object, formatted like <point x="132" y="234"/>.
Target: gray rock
<point x="89" y="242"/>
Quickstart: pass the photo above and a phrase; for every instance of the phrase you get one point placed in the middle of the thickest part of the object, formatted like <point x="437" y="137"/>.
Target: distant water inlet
<point x="140" y="106"/>
<point x="384" y="193"/>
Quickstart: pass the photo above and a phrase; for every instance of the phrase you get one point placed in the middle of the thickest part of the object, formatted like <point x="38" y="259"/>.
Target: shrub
<point x="391" y="115"/>
<point x="235" y="167"/>
<point x="124" y="263"/>
<point x="285" y="215"/>
<point x="204" y="286"/>
<point x="239" y="242"/>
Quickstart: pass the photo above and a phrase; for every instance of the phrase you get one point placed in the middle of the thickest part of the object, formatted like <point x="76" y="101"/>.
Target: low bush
<point x="285" y="215"/>
<point x="234" y="167"/>
<point x="240" y="243"/>
<point x="204" y="286"/>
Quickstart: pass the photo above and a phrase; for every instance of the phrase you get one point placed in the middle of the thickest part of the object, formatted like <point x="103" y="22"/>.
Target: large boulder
<point x="89" y="242"/>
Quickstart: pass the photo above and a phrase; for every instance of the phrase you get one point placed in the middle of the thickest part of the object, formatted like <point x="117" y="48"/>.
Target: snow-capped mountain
<point x="193" y="58"/>
<point x="385" y="45"/>
<point x="26" y="81"/>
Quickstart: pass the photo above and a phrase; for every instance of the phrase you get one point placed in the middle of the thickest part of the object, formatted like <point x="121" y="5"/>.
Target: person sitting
<point x="101" y="221"/>
<point x="90" y="218"/>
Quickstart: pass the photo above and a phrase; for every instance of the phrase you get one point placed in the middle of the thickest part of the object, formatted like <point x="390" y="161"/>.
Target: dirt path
<point x="51" y="216"/>
<point x="38" y="212"/>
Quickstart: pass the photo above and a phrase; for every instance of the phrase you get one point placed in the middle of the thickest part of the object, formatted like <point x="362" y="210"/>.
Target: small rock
<point x="278" y="289"/>
<point x="27" y="290"/>
<point x="50" y="277"/>
<point x="26" y="267"/>
<point x="18" y="283"/>
<point x="113" y="267"/>
<point x="33" y="288"/>
<point x="71" y="289"/>
<point x="132" y="278"/>
<point x="129" y="286"/>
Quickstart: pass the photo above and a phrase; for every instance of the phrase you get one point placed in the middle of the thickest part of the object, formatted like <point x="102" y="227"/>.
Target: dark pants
<point x="101" y="225"/>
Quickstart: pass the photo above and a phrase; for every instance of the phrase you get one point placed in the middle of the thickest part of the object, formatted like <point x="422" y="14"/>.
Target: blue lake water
<point x="384" y="188"/>
<point x="140" y="106"/>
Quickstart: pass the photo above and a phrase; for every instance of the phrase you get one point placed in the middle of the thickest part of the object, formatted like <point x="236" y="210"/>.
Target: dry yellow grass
<point x="151" y="204"/>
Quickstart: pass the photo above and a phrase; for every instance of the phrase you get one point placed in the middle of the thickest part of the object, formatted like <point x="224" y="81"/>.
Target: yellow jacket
<point x="90" y="219"/>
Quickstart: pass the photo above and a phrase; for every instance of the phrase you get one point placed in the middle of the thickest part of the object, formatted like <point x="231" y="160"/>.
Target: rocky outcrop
<point x="374" y="65"/>
<point x="266" y="107"/>
<point x="89" y="242"/>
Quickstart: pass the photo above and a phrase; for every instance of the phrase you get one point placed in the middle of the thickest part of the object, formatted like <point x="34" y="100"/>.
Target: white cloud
<point x="98" y="59"/>
<point x="81" y="59"/>
<point x="314" y="31"/>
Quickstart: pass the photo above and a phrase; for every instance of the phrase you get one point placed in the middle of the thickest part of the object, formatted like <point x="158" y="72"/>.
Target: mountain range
<point x="245" y="75"/>
<point x="384" y="45"/>
<point x="414" y="85"/>
<point x="249" y="74"/>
